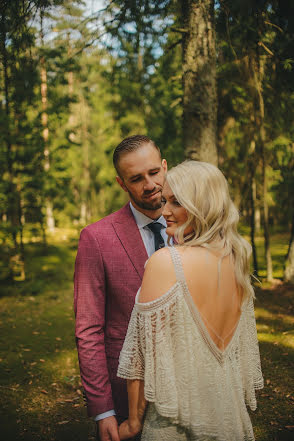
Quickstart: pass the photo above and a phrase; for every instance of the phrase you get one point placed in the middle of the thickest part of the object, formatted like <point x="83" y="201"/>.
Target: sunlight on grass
<point x="268" y="332"/>
<point x="279" y="247"/>
<point x="62" y="364"/>
<point x="287" y="320"/>
<point x="278" y="339"/>
<point x="60" y="376"/>
<point x="260" y="312"/>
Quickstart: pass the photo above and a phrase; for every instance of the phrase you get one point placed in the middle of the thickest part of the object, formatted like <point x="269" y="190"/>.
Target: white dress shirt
<point x="148" y="239"/>
<point x="147" y="236"/>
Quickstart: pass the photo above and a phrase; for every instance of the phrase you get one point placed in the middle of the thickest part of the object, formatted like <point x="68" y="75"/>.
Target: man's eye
<point x="177" y="203"/>
<point x="135" y="180"/>
<point x="163" y="201"/>
<point x="154" y="172"/>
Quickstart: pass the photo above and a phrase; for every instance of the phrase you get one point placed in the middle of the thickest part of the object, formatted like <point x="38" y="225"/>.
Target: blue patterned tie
<point x="155" y="227"/>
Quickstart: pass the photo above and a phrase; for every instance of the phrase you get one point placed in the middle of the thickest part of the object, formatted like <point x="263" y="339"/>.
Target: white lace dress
<point x="195" y="391"/>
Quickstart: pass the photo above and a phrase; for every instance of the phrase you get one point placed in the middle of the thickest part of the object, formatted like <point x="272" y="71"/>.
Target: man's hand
<point x="107" y="429"/>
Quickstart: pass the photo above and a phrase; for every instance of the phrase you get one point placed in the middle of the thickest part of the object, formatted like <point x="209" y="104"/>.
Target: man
<point x="108" y="272"/>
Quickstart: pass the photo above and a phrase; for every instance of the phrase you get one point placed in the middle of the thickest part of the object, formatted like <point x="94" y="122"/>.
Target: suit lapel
<point x="128" y="233"/>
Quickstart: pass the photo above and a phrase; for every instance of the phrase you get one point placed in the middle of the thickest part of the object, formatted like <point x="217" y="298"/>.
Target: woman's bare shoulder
<point x="159" y="276"/>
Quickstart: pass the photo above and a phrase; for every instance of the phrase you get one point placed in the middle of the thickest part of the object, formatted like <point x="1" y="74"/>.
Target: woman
<point x="191" y="349"/>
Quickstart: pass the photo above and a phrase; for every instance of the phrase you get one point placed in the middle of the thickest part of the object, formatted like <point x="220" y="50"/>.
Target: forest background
<point x="208" y="80"/>
<point x="203" y="80"/>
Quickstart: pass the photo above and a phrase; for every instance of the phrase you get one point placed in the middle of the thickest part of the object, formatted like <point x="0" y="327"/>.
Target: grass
<point x="41" y="397"/>
<point x="279" y="246"/>
<point x="273" y="420"/>
<point x="40" y="390"/>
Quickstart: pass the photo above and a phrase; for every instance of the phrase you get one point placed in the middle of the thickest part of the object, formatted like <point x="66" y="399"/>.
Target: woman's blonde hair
<point x="203" y="191"/>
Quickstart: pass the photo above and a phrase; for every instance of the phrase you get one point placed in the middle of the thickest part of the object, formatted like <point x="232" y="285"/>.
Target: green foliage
<point x="21" y="178"/>
<point x="264" y="28"/>
<point x="116" y="72"/>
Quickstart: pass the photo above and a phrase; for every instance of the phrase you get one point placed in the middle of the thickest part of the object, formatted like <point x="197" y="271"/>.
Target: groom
<point x="108" y="272"/>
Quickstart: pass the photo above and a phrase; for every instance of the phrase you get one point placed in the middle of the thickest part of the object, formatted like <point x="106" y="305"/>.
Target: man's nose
<point x="149" y="184"/>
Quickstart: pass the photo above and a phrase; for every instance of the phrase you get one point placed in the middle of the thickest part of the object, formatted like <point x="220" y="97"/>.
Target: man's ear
<point x="164" y="165"/>
<point x="121" y="183"/>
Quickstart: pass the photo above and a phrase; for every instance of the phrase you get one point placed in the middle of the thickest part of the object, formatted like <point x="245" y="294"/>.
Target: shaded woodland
<point x="205" y="80"/>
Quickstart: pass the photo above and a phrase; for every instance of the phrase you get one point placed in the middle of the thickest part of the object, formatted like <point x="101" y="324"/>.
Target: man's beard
<point x="145" y="205"/>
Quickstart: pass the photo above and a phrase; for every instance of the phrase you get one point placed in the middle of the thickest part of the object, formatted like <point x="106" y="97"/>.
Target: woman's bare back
<point x="211" y="282"/>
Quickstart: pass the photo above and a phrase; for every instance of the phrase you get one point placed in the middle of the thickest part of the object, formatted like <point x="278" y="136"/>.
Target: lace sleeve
<point x="253" y="375"/>
<point x="131" y="359"/>
<point x="148" y="350"/>
<point x="182" y="376"/>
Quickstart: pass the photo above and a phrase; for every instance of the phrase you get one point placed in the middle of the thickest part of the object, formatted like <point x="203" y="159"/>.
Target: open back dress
<point x="197" y="381"/>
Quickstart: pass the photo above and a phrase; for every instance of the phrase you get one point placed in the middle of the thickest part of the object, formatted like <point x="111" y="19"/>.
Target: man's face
<point x="142" y="175"/>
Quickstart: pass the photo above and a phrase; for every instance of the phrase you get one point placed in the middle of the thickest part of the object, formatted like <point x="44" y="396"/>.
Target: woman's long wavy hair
<point x="203" y="191"/>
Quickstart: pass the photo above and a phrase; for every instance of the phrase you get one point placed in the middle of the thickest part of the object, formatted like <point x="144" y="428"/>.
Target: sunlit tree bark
<point x="258" y="74"/>
<point x="253" y="207"/>
<point x="199" y="80"/>
<point x="45" y="131"/>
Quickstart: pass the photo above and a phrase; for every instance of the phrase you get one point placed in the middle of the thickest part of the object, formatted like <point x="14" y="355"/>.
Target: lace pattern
<point x="187" y="377"/>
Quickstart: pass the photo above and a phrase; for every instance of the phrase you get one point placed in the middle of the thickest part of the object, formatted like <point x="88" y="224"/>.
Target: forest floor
<point x="40" y="390"/>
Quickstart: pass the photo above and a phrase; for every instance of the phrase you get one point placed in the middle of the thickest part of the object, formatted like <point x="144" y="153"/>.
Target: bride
<point x="191" y="354"/>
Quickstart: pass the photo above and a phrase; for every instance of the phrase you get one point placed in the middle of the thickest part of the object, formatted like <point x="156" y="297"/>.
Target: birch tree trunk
<point x="199" y="80"/>
<point x="257" y="217"/>
<point x="45" y="132"/>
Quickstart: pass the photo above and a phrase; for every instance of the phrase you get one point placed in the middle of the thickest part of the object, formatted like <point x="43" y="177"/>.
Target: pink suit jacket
<point x="108" y="272"/>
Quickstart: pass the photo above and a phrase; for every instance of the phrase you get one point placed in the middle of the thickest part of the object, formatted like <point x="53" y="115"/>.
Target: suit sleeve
<point x="89" y="304"/>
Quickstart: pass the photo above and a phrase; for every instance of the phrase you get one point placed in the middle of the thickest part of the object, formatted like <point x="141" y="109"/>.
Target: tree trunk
<point x="252" y="218"/>
<point x="22" y="274"/>
<point x="70" y="81"/>
<point x="86" y="164"/>
<point x="257" y="216"/>
<point x="50" y="217"/>
<point x="12" y="197"/>
<point x="258" y="74"/>
<point x="199" y="80"/>
<point x="11" y="209"/>
<point x="45" y="132"/>
<point x="267" y="250"/>
<point x="43" y="229"/>
<point x="289" y="267"/>
<point x="269" y="266"/>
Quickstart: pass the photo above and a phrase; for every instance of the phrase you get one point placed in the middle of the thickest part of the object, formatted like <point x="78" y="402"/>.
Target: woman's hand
<point x="137" y="404"/>
<point x="129" y="428"/>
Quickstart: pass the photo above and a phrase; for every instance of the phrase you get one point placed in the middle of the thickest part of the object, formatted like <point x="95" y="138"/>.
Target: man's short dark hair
<point x="131" y="144"/>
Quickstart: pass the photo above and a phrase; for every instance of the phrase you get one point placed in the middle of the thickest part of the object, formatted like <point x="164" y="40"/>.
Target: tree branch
<point x="179" y="30"/>
<point x="274" y="25"/>
<point x="260" y="43"/>
<point x="174" y="44"/>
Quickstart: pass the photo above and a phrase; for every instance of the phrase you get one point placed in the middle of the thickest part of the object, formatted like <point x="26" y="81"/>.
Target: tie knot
<point x="155" y="227"/>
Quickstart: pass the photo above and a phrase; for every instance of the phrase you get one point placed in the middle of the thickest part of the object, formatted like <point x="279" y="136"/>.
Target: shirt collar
<point x="142" y="220"/>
